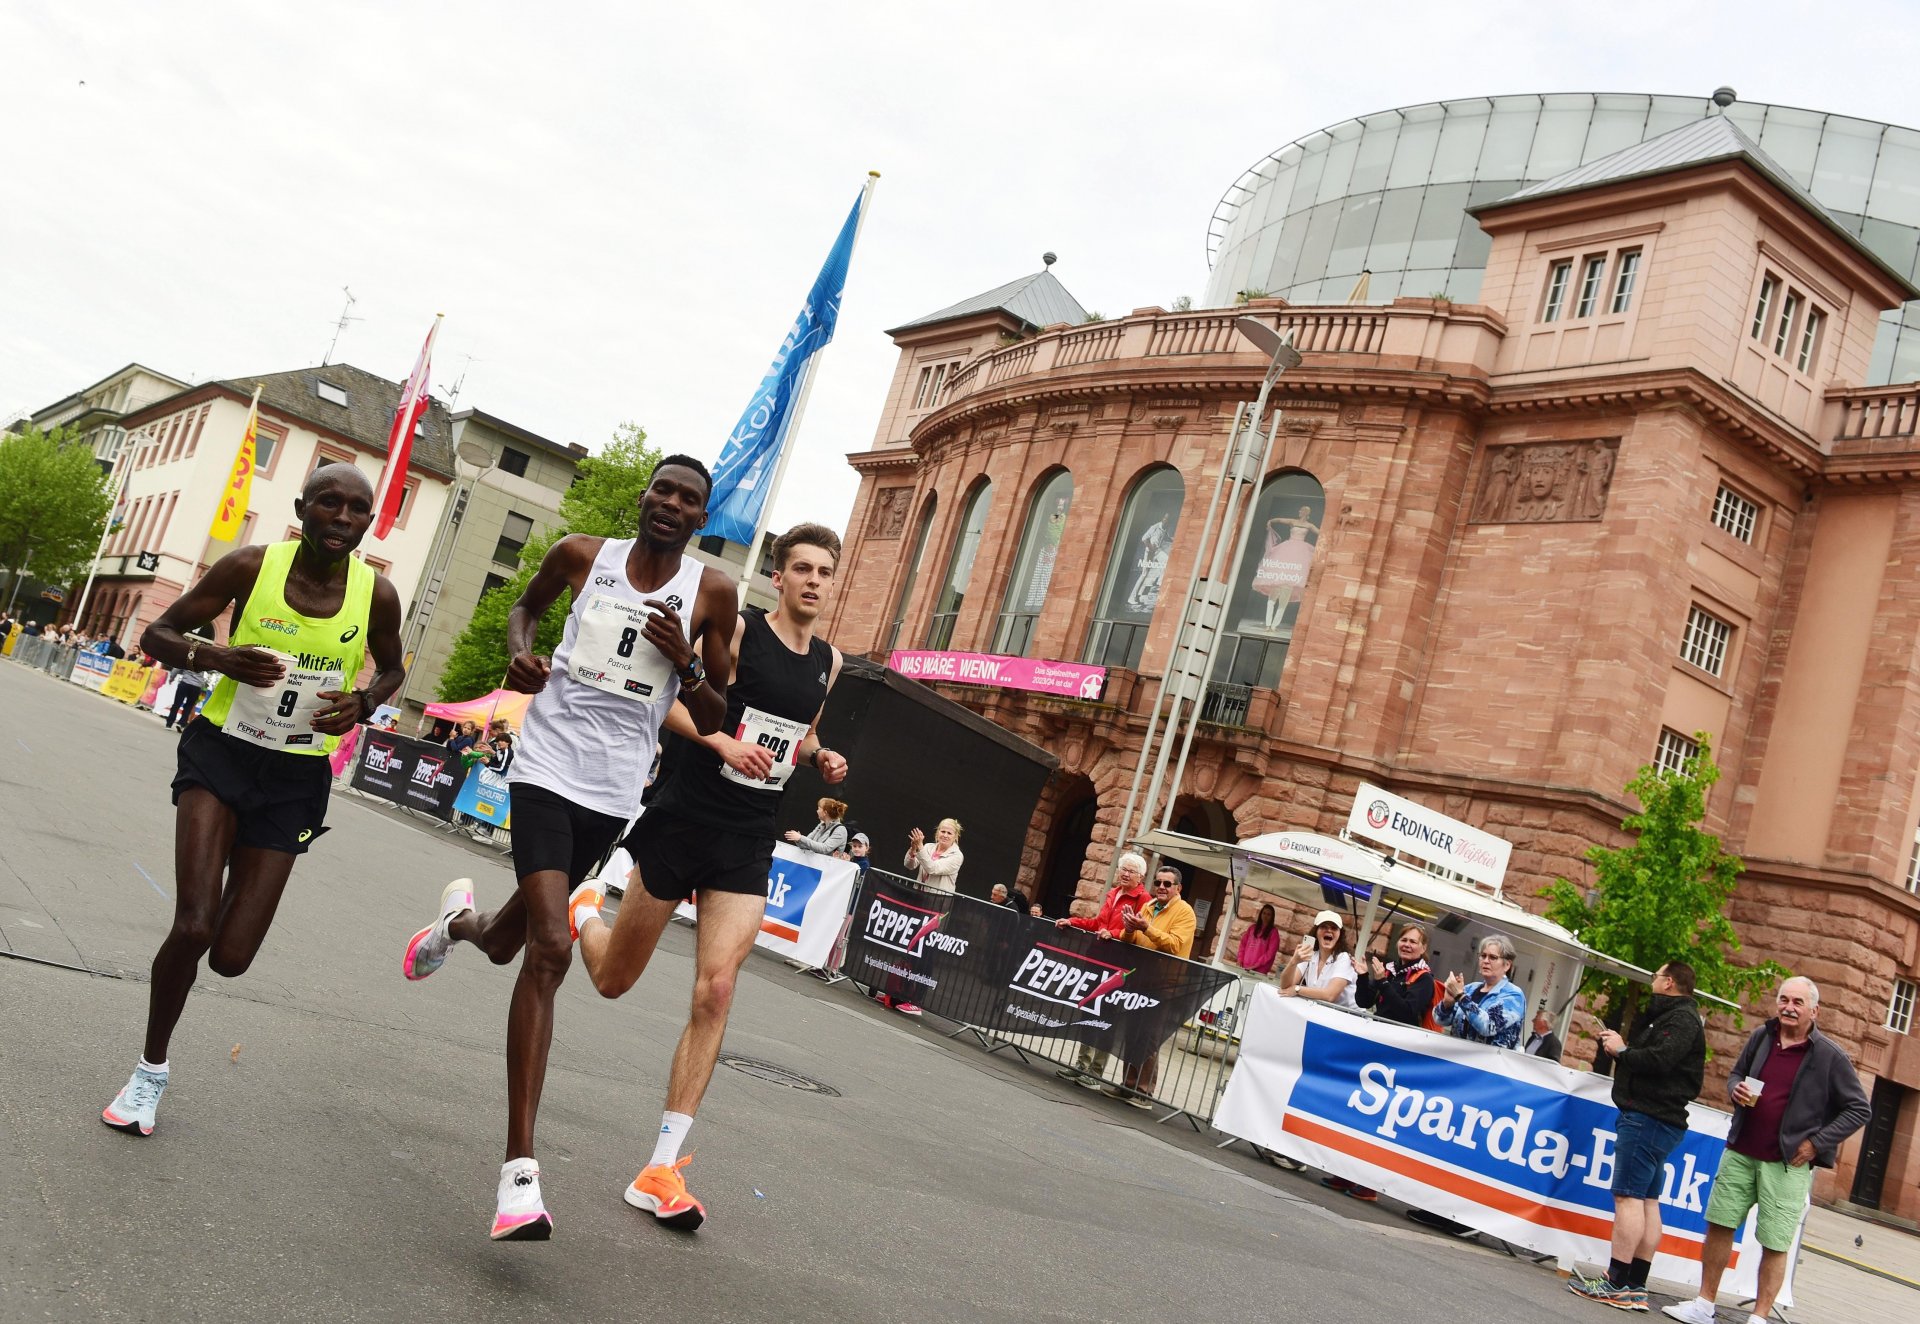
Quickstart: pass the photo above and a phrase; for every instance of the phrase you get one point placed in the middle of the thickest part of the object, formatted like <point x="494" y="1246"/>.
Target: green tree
<point x="1662" y="898"/>
<point x="53" y="504"/>
<point x="604" y="502"/>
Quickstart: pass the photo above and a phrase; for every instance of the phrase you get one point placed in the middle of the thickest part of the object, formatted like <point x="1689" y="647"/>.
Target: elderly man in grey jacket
<point x="1796" y="1098"/>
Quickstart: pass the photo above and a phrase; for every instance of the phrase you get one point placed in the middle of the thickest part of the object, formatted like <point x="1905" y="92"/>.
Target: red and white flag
<point x="413" y="407"/>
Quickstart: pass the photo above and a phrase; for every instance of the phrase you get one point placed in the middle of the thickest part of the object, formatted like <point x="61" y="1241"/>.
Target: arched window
<point x="913" y="572"/>
<point x="966" y="545"/>
<point x="1033" y="567"/>
<point x="1136" y="570"/>
<point x="1273" y="573"/>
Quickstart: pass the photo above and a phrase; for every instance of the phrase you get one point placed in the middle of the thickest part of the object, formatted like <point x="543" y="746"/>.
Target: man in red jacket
<point x="1129" y="894"/>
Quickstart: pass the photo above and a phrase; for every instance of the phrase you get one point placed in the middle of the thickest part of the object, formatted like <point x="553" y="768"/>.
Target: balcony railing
<point x="1226" y="705"/>
<point x="1876" y="414"/>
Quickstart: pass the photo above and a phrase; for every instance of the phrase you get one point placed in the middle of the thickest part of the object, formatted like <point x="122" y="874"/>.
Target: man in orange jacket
<point x="1166" y="925"/>
<point x="1128" y="896"/>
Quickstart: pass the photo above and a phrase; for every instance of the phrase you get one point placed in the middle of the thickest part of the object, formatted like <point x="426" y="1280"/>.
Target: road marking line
<point x="156" y="887"/>
<point x="23" y="744"/>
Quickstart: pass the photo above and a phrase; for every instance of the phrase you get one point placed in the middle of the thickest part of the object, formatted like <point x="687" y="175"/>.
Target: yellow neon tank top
<point x="281" y="718"/>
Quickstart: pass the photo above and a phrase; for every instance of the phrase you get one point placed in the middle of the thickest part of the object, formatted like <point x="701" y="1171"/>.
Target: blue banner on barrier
<point x="484" y="795"/>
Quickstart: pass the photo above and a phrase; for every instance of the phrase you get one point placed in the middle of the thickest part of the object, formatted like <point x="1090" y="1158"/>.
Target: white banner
<point x="90" y="671"/>
<point x="1401" y="824"/>
<point x="807" y="897"/>
<point x="1518" y="1147"/>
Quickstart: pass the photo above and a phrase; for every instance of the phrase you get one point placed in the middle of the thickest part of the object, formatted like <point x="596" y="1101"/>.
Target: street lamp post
<point x="1196" y="643"/>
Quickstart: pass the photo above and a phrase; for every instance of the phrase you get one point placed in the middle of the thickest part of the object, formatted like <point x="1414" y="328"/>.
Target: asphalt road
<point x="331" y="1140"/>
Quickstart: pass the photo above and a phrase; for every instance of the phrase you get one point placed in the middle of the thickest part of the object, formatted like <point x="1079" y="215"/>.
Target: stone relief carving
<point x="1546" y="482"/>
<point x="889" y="515"/>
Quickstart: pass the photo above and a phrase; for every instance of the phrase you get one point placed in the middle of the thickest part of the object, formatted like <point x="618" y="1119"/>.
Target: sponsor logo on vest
<point x="278" y="626"/>
<point x="673" y="602"/>
<point x="641" y="688"/>
<point x="254" y="731"/>
<point x="604" y="581"/>
<point x="585" y="672"/>
<point x="1053" y="974"/>
<point x="304" y="738"/>
<point x="348" y="636"/>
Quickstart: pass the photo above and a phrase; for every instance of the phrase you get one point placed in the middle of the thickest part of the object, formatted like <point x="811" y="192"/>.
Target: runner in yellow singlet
<point x="251" y="789"/>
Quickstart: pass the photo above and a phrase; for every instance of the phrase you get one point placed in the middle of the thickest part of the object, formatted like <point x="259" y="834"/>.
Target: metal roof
<point x="1038" y="300"/>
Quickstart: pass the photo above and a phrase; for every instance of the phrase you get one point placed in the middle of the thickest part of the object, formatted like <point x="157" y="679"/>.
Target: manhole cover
<point x="777" y="1075"/>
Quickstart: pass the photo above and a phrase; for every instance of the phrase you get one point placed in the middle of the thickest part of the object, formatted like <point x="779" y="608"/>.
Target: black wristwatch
<point x="693" y="676"/>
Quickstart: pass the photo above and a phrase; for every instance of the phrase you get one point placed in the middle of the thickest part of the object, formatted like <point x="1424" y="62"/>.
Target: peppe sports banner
<point x="1516" y="1146"/>
<point x="807" y="897"/>
<point x="410" y="773"/>
<point x="990" y="966"/>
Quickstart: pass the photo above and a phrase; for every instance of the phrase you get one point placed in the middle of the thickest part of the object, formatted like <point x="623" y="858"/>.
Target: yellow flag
<point x="232" y="510"/>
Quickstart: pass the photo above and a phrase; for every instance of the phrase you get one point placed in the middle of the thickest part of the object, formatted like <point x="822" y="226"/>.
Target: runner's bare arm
<point x="349" y="707"/>
<point x="230" y="581"/>
<point x="829" y="763"/>
<point x="754" y="761"/>
<point x="565" y="566"/>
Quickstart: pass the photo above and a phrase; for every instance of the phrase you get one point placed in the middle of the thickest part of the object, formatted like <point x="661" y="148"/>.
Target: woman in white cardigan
<point x="937" y="863"/>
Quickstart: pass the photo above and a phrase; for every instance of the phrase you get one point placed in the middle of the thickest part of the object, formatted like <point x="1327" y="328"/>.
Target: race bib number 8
<point x="779" y="736"/>
<point x="280" y="715"/>
<point x="611" y="652"/>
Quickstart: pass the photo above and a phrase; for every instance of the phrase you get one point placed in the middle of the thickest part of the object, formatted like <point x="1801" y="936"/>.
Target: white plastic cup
<point x="1755" y="1085"/>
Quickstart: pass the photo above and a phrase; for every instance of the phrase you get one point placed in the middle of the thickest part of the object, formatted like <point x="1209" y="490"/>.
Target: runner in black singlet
<point x="710" y="833"/>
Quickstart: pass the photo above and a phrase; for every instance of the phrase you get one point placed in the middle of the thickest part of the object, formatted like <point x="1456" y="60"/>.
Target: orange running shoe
<point x="662" y="1192"/>
<point x="584" y="897"/>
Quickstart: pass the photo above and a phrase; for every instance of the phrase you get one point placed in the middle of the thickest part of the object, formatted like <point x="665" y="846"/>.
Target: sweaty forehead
<point x="339" y="477"/>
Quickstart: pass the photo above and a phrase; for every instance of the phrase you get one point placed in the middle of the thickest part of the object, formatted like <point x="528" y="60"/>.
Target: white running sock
<point x="1756" y="1319"/>
<point x="154" y="1068"/>
<point x="673" y="1133"/>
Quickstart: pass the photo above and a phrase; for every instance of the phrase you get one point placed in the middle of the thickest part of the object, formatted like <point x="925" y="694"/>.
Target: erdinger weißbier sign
<point x="1515" y="1146"/>
<point x="1401" y="824"/>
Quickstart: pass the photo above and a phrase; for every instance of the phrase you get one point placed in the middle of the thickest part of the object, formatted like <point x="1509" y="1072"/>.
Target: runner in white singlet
<point x="629" y="653"/>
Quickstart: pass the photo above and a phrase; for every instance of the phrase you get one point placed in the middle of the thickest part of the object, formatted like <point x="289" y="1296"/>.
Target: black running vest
<point x="774" y="697"/>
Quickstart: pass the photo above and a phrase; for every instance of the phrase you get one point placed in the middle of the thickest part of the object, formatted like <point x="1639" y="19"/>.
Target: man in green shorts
<point x="252" y="781"/>
<point x="1796" y="1098"/>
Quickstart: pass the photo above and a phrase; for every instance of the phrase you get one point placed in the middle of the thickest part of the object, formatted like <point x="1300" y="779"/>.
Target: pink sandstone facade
<point x="1519" y="520"/>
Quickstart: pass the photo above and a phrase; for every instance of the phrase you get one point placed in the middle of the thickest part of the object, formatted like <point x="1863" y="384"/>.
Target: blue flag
<point x="744" y="471"/>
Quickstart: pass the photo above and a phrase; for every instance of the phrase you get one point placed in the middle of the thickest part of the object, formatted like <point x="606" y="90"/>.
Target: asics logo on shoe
<point x="523" y="1179"/>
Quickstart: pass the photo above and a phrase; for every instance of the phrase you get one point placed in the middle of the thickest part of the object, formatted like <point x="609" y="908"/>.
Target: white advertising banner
<point x="1518" y="1147"/>
<point x="807" y="897"/>
<point x="90" y="670"/>
<point x="1401" y="824"/>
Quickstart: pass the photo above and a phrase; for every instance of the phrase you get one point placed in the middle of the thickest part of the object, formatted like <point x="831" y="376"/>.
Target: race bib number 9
<point x="779" y="736"/>
<point x="611" y="652"/>
<point x="280" y="715"/>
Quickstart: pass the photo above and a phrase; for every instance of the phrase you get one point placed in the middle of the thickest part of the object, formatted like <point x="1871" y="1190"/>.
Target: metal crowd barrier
<point x="1192" y="1066"/>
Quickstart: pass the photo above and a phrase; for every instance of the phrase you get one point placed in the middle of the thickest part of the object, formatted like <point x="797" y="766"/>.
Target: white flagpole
<point x="799" y="408"/>
<point x="123" y="470"/>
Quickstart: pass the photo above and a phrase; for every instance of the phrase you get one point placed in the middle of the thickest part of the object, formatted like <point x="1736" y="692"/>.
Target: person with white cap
<point x="1322" y="968"/>
<point x="858" y="849"/>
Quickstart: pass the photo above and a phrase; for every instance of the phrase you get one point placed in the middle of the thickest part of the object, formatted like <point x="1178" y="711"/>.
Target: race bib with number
<point x="611" y="651"/>
<point x="280" y="715"/>
<point x="779" y="736"/>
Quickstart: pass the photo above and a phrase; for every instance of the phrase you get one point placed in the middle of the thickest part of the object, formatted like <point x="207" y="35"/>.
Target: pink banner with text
<point x="1072" y="680"/>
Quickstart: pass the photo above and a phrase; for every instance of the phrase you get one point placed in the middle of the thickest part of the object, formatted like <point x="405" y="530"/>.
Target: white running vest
<point x="591" y="733"/>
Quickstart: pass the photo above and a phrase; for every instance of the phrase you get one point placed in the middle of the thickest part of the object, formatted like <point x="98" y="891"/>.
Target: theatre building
<point x="1627" y="483"/>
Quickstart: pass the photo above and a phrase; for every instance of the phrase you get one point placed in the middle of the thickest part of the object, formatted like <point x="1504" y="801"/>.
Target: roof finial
<point x="1724" y="97"/>
<point x="1048" y="259"/>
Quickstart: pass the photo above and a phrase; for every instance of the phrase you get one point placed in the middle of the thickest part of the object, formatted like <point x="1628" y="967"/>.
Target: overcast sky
<point x="619" y="206"/>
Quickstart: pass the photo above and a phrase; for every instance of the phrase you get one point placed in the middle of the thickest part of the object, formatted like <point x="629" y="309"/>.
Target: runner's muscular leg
<point x="616" y="954"/>
<point x="530" y="1017"/>
<point x="500" y="933"/>
<point x="256" y="878"/>
<point x="729" y="921"/>
<point x="203" y="830"/>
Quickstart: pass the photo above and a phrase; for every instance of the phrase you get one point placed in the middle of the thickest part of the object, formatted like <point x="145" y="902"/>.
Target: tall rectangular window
<point x="1673" y="751"/>
<point x="513" y="461"/>
<point x="1913" y="867"/>
<point x="490" y="583"/>
<point x="932" y="378"/>
<point x="1783" y="333"/>
<point x="1810" y="340"/>
<point x="513" y="536"/>
<point x="1768" y="288"/>
<point x="1900" y="1007"/>
<point x="1557" y="278"/>
<point x="1734" y="513"/>
<point x="1590" y="279"/>
<point x="1624" y="276"/>
<point x="1705" y="642"/>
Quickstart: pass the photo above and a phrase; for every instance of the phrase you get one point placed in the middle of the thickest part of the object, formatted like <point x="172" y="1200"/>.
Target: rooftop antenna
<point x="340" y="325"/>
<point x="465" y="364"/>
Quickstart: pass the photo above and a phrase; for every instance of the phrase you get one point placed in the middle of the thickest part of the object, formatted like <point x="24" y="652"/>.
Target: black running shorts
<point x="551" y="832"/>
<point x="678" y="857"/>
<point x="279" y="800"/>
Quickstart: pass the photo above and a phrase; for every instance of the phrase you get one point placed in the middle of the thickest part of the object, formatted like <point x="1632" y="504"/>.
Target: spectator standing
<point x="188" y="686"/>
<point x="829" y="835"/>
<point x="998" y="896"/>
<point x="936" y="863"/>
<point x="1128" y="893"/>
<point x="1492" y="1009"/>
<point x="1543" y="1042"/>
<point x="858" y="850"/>
<point x="1259" y="945"/>
<point x="1657" y="1069"/>
<point x="1796" y="1098"/>
<point x="1166" y="924"/>
<point x="464" y="739"/>
<point x="1320" y="968"/>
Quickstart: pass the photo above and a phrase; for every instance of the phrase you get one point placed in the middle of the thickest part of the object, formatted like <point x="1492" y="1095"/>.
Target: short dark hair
<point x="1167" y="866"/>
<point x="1682" y="976"/>
<point x="685" y="462"/>
<point x="811" y="535"/>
